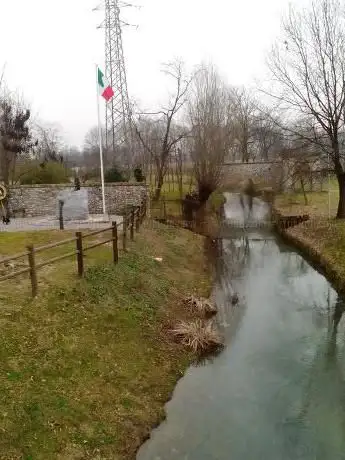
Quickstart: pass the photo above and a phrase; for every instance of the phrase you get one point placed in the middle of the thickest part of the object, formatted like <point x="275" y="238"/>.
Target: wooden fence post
<point x="132" y="222"/>
<point x="80" y="256"/>
<point x="115" y="243"/>
<point x="124" y="233"/>
<point x="33" y="272"/>
<point x="61" y="203"/>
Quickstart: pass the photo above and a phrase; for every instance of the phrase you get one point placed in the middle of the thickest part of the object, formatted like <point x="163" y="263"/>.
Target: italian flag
<point x="105" y="89"/>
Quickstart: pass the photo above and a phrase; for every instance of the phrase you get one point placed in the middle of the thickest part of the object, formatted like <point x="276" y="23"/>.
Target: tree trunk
<point x="304" y="192"/>
<point x="341" y="204"/>
<point x="245" y="154"/>
<point x="159" y="185"/>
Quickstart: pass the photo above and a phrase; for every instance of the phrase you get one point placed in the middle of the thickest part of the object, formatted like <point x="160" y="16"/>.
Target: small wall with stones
<point x="41" y="200"/>
<point x="274" y="174"/>
<point x="269" y="174"/>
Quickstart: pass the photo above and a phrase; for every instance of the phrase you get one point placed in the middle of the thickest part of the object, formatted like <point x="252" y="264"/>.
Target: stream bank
<point x="276" y="391"/>
<point x="322" y="243"/>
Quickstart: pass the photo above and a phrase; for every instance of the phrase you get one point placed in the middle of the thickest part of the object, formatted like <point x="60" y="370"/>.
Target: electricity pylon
<point x="118" y="116"/>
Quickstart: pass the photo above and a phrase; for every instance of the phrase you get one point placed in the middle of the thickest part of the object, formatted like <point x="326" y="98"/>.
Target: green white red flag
<point x="105" y="90"/>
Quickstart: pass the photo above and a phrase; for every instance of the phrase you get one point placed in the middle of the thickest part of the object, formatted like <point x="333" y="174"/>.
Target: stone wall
<point x="274" y="174"/>
<point x="269" y="174"/>
<point x="41" y="200"/>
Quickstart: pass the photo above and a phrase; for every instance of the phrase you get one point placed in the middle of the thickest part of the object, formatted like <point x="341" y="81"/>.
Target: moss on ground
<point x="87" y="366"/>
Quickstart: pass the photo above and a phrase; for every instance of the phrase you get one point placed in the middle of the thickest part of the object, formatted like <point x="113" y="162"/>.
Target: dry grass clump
<point x="198" y="335"/>
<point x="201" y="306"/>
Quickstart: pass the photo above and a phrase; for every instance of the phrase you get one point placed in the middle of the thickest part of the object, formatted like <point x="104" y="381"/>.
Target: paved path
<point x="28" y="224"/>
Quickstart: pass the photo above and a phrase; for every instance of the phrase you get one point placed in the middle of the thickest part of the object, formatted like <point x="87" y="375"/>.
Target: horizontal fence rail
<point x="132" y="220"/>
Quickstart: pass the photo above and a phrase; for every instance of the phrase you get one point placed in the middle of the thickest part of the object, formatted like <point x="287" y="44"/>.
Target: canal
<point x="277" y="391"/>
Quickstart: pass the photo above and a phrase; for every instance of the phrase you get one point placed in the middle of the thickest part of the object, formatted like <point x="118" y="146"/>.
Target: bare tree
<point x="268" y="138"/>
<point x="179" y="170"/>
<point x="50" y="144"/>
<point x="73" y="157"/>
<point x="309" y="68"/>
<point x="91" y="141"/>
<point x="301" y="172"/>
<point x="163" y="133"/>
<point x="245" y="107"/>
<point x="91" y="157"/>
<point x="211" y="119"/>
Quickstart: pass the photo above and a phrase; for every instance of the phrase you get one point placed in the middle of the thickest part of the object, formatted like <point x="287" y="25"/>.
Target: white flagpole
<point x="100" y="144"/>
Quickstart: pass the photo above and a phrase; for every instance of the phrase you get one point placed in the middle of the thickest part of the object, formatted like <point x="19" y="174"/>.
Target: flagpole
<point x="100" y="144"/>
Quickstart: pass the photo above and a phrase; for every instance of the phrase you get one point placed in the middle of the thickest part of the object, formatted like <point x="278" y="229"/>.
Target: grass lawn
<point x="166" y="208"/>
<point x="170" y="194"/>
<point x="87" y="366"/>
<point x="170" y="189"/>
<point x="51" y="275"/>
<point x="318" y="203"/>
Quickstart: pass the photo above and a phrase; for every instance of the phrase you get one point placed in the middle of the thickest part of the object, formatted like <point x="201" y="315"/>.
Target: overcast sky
<point x="51" y="47"/>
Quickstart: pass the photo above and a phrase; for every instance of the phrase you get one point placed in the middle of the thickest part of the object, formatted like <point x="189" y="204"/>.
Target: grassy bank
<point x="321" y="238"/>
<point x="324" y="243"/>
<point x="87" y="367"/>
<point x="317" y="203"/>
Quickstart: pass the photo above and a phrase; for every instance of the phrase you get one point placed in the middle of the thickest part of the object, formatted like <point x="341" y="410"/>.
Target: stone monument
<point x="76" y="204"/>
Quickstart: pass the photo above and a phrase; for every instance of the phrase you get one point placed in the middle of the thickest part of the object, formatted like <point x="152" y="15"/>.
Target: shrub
<point x="115" y="175"/>
<point x="138" y="174"/>
<point x="46" y="173"/>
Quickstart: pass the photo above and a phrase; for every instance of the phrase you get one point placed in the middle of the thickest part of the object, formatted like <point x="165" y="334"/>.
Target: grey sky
<point x="51" y="48"/>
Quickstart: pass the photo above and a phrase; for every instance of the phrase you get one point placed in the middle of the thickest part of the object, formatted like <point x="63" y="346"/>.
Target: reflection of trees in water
<point x="293" y="265"/>
<point x="246" y="202"/>
<point x="236" y="257"/>
<point x="326" y="370"/>
<point x="303" y="266"/>
<point x="325" y="306"/>
<point x="337" y="315"/>
<point x="234" y="260"/>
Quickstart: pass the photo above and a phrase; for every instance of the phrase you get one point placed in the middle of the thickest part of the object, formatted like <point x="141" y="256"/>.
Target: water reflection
<point x="277" y="390"/>
<point x="338" y="314"/>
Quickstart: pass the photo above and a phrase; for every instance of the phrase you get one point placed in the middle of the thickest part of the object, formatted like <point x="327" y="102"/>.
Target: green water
<point x="277" y="391"/>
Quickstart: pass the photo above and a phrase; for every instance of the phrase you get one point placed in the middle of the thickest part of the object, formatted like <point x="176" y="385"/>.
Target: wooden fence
<point x="132" y="221"/>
